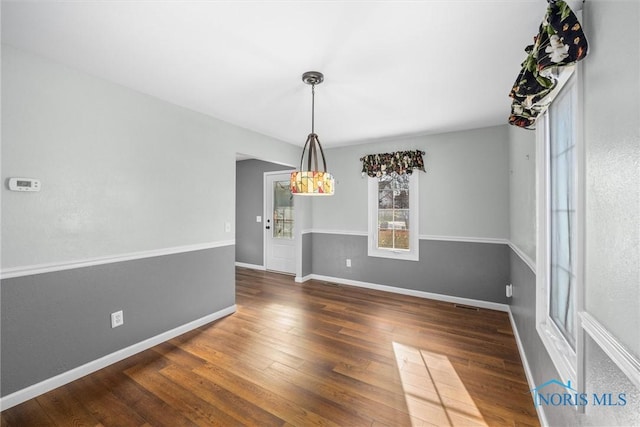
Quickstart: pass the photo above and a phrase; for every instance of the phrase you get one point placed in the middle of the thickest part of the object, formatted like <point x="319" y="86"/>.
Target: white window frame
<point x="413" y="254"/>
<point x="567" y="360"/>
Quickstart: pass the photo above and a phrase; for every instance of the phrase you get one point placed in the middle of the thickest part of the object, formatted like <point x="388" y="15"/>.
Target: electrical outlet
<point x="227" y="227"/>
<point x="117" y="319"/>
<point x="258" y="218"/>
<point x="509" y="290"/>
<point x="348" y="262"/>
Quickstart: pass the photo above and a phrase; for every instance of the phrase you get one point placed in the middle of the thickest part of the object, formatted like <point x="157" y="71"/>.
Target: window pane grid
<point x="562" y="218"/>
<point x="283" y="212"/>
<point x="393" y="213"/>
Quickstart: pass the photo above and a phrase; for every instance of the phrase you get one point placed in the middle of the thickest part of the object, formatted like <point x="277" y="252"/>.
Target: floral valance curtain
<point x="559" y="43"/>
<point x="399" y="162"/>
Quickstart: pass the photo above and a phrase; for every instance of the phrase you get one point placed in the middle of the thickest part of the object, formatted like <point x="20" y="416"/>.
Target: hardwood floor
<point x="310" y="354"/>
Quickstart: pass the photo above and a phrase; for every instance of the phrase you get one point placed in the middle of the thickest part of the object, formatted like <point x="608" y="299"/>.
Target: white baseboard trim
<point x="527" y="370"/>
<point x="251" y="266"/>
<point x="627" y="362"/>
<point x="30" y="270"/>
<point x="42" y="387"/>
<point x="303" y="278"/>
<point x="420" y="294"/>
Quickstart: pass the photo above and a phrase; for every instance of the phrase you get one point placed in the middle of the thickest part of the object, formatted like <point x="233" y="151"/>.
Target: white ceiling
<point x="392" y="68"/>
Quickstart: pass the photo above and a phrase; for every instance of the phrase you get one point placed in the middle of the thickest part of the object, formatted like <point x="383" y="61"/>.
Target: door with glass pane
<point x="279" y="224"/>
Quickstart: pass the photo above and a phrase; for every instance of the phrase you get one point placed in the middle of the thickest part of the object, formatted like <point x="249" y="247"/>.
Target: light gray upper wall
<point x="522" y="190"/>
<point x="249" y="204"/>
<point x="121" y="171"/>
<point x="464" y="193"/>
<point x="612" y="137"/>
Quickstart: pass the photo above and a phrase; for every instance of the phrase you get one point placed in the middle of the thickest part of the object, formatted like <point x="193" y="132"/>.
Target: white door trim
<point x="266" y="209"/>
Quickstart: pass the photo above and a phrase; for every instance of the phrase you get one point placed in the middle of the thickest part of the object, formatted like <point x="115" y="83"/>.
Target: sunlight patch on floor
<point x="434" y="393"/>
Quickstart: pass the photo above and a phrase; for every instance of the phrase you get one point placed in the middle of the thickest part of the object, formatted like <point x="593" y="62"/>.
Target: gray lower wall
<point x="54" y="322"/>
<point x="249" y="204"/>
<point x="307" y="254"/>
<point x="602" y="375"/>
<point x="523" y="309"/>
<point x="469" y="270"/>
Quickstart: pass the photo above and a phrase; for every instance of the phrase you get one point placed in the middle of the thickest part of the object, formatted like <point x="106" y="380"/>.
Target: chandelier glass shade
<point x="311" y="181"/>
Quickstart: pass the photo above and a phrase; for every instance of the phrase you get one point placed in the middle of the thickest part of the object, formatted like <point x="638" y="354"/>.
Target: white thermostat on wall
<point x="24" y="184"/>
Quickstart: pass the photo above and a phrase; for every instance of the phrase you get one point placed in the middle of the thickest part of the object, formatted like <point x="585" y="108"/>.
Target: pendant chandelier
<point x="312" y="182"/>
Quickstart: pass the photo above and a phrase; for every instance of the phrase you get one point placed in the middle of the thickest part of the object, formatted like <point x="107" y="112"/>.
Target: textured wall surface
<point x="468" y="270"/>
<point x="612" y="137"/>
<point x="522" y="190"/>
<point x="612" y="148"/>
<point x="121" y="172"/>
<point x="602" y="376"/>
<point x="465" y="191"/>
<point x="307" y="254"/>
<point x="249" y="204"/>
<point x="54" y="322"/>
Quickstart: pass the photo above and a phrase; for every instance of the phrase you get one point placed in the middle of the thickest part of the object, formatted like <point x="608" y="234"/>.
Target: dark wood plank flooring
<point x="310" y="354"/>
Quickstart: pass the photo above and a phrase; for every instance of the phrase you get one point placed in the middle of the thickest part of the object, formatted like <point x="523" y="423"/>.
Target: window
<point x="561" y="213"/>
<point x="282" y="210"/>
<point x="560" y="223"/>
<point x="393" y="216"/>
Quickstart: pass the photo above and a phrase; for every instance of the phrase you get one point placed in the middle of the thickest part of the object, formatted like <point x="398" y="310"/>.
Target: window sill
<point x="562" y="355"/>
<point x="399" y="255"/>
